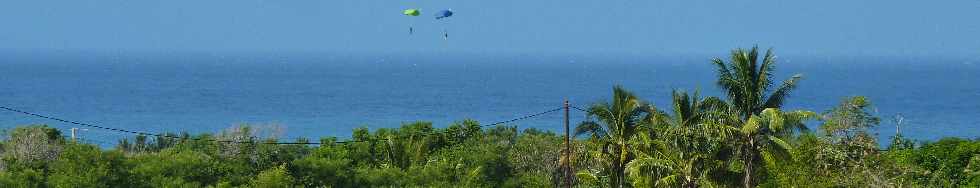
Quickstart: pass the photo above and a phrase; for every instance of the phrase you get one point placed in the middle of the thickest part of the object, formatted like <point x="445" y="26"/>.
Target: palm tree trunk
<point x="749" y="155"/>
<point x="747" y="180"/>
<point x="614" y="180"/>
<point x="622" y="163"/>
<point x="693" y="184"/>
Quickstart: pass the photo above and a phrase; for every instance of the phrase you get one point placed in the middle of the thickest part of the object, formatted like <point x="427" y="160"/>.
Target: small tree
<point x="275" y="177"/>
<point x="82" y="165"/>
<point x="33" y="146"/>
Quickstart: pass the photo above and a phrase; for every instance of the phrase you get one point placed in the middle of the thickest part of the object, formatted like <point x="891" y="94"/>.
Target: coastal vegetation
<point x="745" y="138"/>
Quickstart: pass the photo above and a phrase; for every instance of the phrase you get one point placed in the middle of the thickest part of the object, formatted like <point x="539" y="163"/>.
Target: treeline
<point x="742" y="139"/>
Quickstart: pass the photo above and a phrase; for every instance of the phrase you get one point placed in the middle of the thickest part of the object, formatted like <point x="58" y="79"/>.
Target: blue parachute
<point x="444" y="14"/>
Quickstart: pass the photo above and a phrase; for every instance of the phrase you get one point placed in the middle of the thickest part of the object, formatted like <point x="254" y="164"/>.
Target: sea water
<point x="314" y="95"/>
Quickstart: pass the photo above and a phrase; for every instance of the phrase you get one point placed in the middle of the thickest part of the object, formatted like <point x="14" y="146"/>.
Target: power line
<point x="109" y="128"/>
<point x="241" y="142"/>
<point x="580" y="109"/>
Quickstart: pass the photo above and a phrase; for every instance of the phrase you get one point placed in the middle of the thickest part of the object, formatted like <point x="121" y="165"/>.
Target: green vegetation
<point x="743" y="139"/>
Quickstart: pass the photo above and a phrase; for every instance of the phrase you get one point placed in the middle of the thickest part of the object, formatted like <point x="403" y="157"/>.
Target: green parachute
<point x="412" y="12"/>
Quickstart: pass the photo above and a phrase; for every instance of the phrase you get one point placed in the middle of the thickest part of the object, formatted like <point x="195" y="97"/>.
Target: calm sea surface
<point x="314" y="96"/>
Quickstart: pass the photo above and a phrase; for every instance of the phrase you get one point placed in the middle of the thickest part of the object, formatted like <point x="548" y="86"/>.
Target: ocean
<point x="316" y="95"/>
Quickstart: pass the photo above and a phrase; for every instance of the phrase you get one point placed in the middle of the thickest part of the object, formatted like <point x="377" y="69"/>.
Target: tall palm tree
<point x="684" y="154"/>
<point x="746" y="82"/>
<point x="613" y="125"/>
<point x="753" y="109"/>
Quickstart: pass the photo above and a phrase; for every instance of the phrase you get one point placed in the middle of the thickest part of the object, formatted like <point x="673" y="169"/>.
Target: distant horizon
<point x="601" y="55"/>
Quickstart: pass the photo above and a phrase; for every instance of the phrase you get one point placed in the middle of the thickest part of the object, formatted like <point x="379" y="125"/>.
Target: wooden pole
<point x="568" y="150"/>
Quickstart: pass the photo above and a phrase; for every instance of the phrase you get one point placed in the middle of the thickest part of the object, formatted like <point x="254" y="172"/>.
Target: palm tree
<point x="613" y="126"/>
<point x="684" y="154"/>
<point x="746" y="83"/>
<point x="670" y="167"/>
<point x="759" y="139"/>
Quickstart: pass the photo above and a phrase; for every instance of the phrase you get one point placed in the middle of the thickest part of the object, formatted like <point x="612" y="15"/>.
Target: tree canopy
<point x="745" y="138"/>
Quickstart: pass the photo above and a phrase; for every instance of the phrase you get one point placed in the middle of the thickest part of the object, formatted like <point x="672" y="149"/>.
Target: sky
<point x="661" y="27"/>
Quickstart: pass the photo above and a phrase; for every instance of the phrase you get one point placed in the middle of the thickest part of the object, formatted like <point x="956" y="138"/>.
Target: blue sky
<point x="662" y="27"/>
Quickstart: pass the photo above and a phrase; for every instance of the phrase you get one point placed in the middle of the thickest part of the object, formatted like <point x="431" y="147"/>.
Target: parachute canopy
<point x="412" y="12"/>
<point x="444" y="14"/>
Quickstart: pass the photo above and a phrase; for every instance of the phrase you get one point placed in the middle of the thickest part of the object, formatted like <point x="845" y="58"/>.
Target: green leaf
<point x="780" y="143"/>
<point x="751" y="126"/>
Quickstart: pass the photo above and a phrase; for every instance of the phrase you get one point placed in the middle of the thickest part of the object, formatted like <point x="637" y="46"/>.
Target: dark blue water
<point x="311" y="95"/>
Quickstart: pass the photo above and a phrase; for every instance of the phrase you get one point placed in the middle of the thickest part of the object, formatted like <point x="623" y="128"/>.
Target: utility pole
<point x="568" y="151"/>
<point x="73" y="130"/>
<point x="898" y="124"/>
<point x="74" y="133"/>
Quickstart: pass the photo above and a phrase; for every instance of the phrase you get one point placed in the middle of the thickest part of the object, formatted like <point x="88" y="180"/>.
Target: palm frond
<point x="667" y="181"/>
<point x="775" y="150"/>
<point x="768" y="157"/>
<point x="778" y="97"/>
<point x="590" y="127"/>
<point x="726" y="79"/>
<point x="601" y="111"/>
<point x="587" y="176"/>
<point x="773" y="119"/>
<point x="795" y="120"/>
<point x="779" y="142"/>
<point x="682" y="106"/>
<point x="639" y="166"/>
<point x="764" y="78"/>
<point x="752" y="125"/>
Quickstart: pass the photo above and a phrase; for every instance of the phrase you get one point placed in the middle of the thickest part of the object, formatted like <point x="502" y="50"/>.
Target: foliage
<point x="948" y="162"/>
<point x="754" y="111"/>
<point x="87" y="166"/>
<point x="744" y="138"/>
<point x="615" y="124"/>
<point x="327" y="165"/>
<point x="32" y="146"/>
<point x="273" y="178"/>
<point x="535" y="158"/>
<point x="688" y="151"/>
